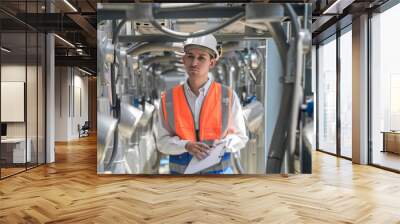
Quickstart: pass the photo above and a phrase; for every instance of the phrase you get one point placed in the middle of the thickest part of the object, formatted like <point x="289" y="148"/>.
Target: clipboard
<point x="216" y="154"/>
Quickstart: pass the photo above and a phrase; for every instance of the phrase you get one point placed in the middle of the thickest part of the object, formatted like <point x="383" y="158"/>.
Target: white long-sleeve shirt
<point x="168" y="143"/>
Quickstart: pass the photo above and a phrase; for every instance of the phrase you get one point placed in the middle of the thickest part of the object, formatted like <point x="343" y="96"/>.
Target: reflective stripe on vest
<point x="213" y="123"/>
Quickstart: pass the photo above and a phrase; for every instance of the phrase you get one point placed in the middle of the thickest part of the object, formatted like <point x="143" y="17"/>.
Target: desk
<point x="15" y="148"/>
<point x="391" y="141"/>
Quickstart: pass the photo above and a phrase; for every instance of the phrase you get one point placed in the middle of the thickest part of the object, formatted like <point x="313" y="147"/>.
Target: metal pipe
<point x="296" y="100"/>
<point x="172" y="6"/>
<point x="160" y="59"/>
<point x="132" y="47"/>
<point x="284" y="135"/>
<point x="117" y="31"/>
<point x="279" y="36"/>
<point x="115" y="109"/>
<point x="106" y="127"/>
<point x="150" y="47"/>
<point x="293" y="16"/>
<point x="255" y="25"/>
<point x="182" y="35"/>
<point x="278" y="144"/>
<point x="232" y="73"/>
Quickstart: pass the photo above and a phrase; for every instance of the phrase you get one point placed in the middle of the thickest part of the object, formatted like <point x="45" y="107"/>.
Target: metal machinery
<point x="140" y="48"/>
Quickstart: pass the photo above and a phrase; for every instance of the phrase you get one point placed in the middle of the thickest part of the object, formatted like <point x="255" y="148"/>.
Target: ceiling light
<point x="70" y="5"/>
<point x="5" y="50"/>
<point x="65" y="41"/>
<point x="337" y="7"/>
<point x="84" y="71"/>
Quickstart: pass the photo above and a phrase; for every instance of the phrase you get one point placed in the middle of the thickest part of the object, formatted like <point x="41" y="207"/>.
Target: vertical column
<point x="338" y="96"/>
<point x="50" y="93"/>
<point x="360" y="90"/>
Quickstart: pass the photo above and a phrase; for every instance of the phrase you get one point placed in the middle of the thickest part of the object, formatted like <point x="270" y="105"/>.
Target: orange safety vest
<point x="213" y="122"/>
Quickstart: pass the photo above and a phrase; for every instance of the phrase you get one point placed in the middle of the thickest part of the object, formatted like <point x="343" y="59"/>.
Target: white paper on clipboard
<point x="215" y="157"/>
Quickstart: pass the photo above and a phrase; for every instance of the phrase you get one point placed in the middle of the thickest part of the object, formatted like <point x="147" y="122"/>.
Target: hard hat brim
<point x="208" y="50"/>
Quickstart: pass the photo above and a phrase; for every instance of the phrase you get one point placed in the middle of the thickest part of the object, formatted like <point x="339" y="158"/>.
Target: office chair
<point x="84" y="130"/>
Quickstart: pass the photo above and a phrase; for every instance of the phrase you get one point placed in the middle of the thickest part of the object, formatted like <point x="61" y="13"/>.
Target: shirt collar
<point x="203" y="90"/>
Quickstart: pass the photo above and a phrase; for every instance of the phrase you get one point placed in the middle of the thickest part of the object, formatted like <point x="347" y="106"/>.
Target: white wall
<point x="80" y="88"/>
<point x="12" y="73"/>
<point x="82" y="82"/>
<point x="61" y="103"/>
<point x="69" y="85"/>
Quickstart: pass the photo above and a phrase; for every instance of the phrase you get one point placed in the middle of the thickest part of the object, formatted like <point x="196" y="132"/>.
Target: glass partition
<point x="32" y="85"/>
<point x="32" y="95"/>
<point x="22" y="87"/>
<point x="13" y="104"/>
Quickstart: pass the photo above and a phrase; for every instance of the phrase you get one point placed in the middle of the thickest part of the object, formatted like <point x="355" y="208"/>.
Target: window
<point x="385" y="88"/>
<point x="346" y="92"/>
<point x="327" y="96"/>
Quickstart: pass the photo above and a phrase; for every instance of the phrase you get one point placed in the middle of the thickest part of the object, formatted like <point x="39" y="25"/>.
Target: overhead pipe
<point x="180" y="6"/>
<point x="255" y="25"/>
<point x="183" y="35"/>
<point x="118" y="30"/>
<point x="160" y="59"/>
<point x="155" y="47"/>
<point x="279" y="36"/>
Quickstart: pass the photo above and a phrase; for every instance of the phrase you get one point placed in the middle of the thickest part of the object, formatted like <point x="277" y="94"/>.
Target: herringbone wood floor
<point x="70" y="191"/>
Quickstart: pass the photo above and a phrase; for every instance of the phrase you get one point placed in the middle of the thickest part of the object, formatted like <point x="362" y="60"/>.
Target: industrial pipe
<point x="151" y="47"/>
<point x="182" y="35"/>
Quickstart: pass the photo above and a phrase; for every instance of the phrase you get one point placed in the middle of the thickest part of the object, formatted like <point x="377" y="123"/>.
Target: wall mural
<point x="208" y="94"/>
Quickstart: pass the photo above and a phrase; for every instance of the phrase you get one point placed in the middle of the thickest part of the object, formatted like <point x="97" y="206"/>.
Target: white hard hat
<point x="207" y="41"/>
